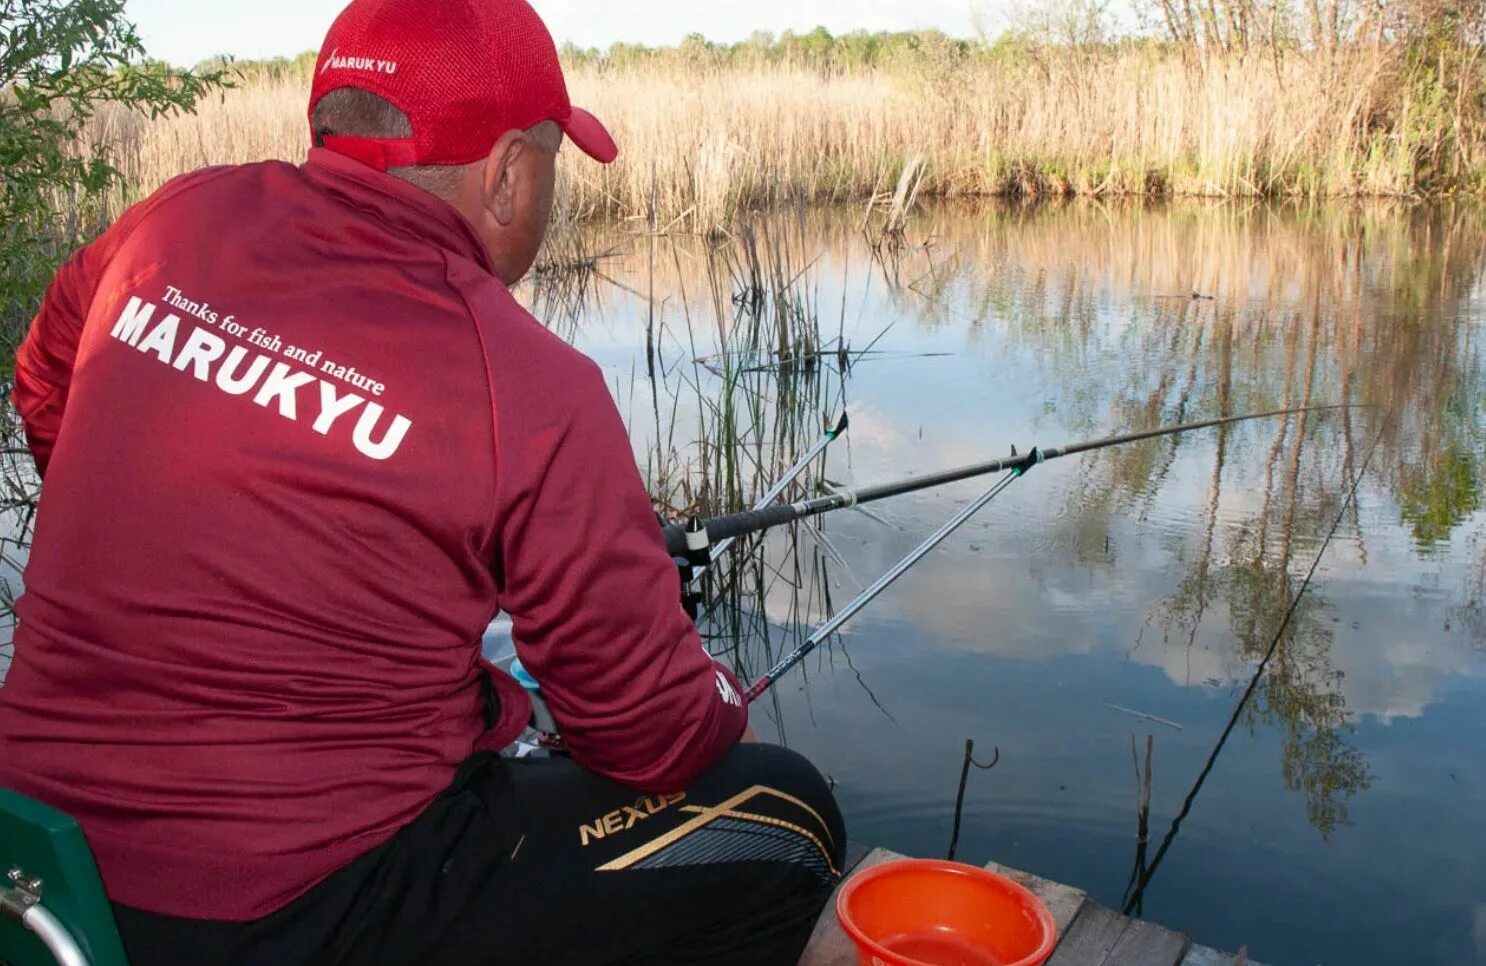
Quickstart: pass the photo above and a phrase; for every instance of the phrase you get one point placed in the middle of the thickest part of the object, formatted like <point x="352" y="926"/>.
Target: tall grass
<point x="702" y="142"/>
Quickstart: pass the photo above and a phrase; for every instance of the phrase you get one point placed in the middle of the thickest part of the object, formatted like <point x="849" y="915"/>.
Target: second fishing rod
<point x="701" y="534"/>
<point x="1013" y="468"/>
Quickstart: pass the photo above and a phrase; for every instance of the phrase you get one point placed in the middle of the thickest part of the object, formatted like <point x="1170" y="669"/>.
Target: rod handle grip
<point x="732" y="525"/>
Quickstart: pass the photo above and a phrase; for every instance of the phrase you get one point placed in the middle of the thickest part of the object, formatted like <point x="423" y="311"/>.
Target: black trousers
<point x="537" y="861"/>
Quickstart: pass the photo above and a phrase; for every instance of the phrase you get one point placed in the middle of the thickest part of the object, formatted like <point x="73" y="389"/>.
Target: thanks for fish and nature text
<point x="239" y="371"/>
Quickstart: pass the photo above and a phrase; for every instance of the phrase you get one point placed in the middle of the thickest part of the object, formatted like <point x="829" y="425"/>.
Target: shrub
<point x="59" y="60"/>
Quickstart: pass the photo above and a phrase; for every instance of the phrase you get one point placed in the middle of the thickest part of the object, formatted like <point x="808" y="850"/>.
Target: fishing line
<point x="1149" y="872"/>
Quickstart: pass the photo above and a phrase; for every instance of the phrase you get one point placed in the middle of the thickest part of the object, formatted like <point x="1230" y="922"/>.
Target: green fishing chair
<point x="52" y="905"/>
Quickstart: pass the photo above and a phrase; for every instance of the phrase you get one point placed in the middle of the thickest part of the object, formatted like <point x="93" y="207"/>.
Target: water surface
<point x="1342" y="819"/>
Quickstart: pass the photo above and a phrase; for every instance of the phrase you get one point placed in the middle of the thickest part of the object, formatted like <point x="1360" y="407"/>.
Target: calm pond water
<point x="1344" y="818"/>
<point x="1341" y="821"/>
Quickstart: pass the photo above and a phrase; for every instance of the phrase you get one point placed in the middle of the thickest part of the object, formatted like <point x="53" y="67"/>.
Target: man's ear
<point x="501" y="176"/>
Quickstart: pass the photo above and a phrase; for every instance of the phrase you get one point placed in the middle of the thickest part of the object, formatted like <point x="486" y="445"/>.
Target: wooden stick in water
<point x="954" y="839"/>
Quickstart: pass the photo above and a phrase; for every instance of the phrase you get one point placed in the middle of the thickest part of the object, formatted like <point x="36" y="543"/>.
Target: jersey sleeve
<point x="593" y="596"/>
<point x="43" y="364"/>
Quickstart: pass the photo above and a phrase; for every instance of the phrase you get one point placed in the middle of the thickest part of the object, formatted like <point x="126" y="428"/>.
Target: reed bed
<point x="701" y="144"/>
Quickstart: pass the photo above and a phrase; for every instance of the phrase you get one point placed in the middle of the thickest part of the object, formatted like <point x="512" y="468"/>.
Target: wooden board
<point x="829" y="945"/>
<point x="1103" y="937"/>
<point x="855" y="853"/>
<point x="1091" y="938"/>
<point x="1147" y="944"/>
<point x="1063" y="901"/>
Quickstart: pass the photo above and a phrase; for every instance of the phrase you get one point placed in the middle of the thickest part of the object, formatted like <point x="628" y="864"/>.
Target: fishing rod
<point x="731" y="526"/>
<point x="1014" y="468"/>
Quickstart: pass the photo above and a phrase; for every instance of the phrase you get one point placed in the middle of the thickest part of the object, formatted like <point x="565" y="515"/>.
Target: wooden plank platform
<point x="1062" y="901"/>
<point x="1103" y="937"/>
<point x="829" y="945"/>
<point x="1088" y="933"/>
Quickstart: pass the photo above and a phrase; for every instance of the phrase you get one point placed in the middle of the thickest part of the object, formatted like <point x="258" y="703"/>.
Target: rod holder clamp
<point x="24" y="893"/>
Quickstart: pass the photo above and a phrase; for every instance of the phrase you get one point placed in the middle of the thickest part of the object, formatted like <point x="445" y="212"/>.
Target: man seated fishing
<point x="299" y="444"/>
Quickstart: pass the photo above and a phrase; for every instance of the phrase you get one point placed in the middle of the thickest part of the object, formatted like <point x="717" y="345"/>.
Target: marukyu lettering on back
<point x="250" y="363"/>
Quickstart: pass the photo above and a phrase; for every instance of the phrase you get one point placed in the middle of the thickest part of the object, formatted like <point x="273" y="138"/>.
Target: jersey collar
<point x="397" y="203"/>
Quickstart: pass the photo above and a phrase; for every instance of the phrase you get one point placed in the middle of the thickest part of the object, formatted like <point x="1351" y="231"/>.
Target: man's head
<point x="463" y="98"/>
<point x="505" y="195"/>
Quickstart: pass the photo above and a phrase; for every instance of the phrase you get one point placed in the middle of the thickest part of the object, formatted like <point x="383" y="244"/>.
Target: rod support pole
<point x="882" y="583"/>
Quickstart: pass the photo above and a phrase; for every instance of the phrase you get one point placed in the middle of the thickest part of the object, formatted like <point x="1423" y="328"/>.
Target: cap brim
<point x="592" y="138"/>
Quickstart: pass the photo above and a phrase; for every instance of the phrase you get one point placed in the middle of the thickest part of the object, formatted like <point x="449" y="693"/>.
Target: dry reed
<point x="701" y="144"/>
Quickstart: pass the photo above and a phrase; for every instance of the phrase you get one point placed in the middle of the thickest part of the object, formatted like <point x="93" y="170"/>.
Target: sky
<point x="187" y="31"/>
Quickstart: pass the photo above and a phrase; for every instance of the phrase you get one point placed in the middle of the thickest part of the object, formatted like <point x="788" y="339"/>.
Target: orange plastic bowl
<point x="928" y="912"/>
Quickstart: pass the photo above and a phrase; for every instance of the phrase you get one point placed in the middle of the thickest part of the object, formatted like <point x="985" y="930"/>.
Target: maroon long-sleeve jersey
<point x="299" y="445"/>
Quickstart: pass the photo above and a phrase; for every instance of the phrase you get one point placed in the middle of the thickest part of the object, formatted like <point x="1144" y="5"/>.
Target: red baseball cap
<point x="463" y="71"/>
